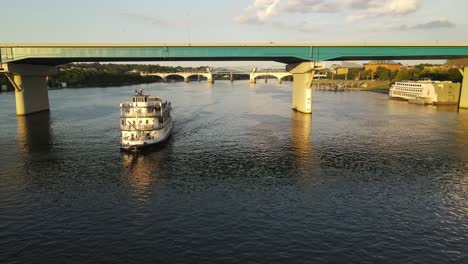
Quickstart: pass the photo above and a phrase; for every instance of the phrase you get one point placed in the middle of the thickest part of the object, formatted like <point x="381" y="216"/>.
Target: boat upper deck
<point x="141" y="100"/>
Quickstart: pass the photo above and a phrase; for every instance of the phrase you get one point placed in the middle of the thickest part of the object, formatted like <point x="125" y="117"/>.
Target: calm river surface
<point x="243" y="179"/>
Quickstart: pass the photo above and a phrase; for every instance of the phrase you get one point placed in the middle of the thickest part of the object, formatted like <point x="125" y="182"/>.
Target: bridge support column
<point x="30" y="86"/>
<point x="252" y="78"/>
<point x="464" y="87"/>
<point x="209" y="78"/>
<point x="186" y="79"/>
<point x="303" y="74"/>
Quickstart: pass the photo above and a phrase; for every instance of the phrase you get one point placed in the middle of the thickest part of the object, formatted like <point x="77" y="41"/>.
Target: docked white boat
<point x="145" y="121"/>
<point x="426" y="92"/>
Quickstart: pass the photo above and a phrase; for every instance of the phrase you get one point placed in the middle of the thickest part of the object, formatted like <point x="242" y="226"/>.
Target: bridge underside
<point x="61" y="61"/>
<point x="286" y="60"/>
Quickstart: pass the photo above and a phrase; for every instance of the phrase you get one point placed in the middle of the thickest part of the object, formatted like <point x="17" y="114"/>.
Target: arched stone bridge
<point x="185" y="75"/>
<point x="254" y="74"/>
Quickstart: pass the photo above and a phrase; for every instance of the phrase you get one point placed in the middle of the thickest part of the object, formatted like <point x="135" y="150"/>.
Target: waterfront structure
<point x="426" y="92"/>
<point x="145" y="121"/>
<point x="27" y="65"/>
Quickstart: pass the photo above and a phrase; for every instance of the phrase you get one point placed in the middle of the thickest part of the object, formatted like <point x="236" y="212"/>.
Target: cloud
<point x="144" y="19"/>
<point x="261" y="11"/>
<point x="434" y="24"/>
<point x="382" y="8"/>
<point x="312" y="6"/>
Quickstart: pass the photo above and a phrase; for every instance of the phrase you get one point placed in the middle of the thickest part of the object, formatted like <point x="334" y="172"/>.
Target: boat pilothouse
<point x="144" y="121"/>
<point x="426" y="92"/>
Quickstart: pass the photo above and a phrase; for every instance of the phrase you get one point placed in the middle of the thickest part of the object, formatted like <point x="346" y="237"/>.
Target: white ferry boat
<point x="145" y="121"/>
<point x="426" y="92"/>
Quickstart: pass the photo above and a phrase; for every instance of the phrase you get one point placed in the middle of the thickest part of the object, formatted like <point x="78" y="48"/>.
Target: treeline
<point x="123" y="68"/>
<point x="98" y="74"/>
<point x="415" y="73"/>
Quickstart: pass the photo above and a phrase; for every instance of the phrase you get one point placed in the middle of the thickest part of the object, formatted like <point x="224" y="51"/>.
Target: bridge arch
<point x="183" y="76"/>
<point x="268" y="76"/>
<point x="208" y="76"/>
<point x="259" y="75"/>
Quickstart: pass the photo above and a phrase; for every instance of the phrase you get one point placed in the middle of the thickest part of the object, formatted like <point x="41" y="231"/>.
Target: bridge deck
<point x="56" y="54"/>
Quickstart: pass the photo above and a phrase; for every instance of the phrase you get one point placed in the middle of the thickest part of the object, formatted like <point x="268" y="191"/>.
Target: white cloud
<point x="261" y="11"/>
<point x="312" y="6"/>
<point x="383" y="8"/>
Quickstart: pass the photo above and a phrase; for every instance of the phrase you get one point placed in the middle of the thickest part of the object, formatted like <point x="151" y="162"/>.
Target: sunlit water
<point x="243" y="178"/>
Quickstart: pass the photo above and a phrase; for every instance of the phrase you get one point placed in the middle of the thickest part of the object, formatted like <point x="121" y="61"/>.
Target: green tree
<point x="402" y="75"/>
<point x="383" y="74"/>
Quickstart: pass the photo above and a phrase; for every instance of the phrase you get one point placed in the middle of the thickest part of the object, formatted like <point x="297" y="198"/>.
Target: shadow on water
<point x="34" y="133"/>
<point x="461" y="138"/>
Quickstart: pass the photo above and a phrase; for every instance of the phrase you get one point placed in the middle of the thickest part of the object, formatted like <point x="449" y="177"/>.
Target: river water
<point x="243" y="179"/>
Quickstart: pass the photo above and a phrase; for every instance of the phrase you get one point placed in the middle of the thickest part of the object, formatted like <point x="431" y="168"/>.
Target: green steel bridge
<point x="27" y="65"/>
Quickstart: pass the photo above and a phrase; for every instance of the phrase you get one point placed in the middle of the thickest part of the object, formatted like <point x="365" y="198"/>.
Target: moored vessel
<point x="146" y="121"/>
<point x="426" y="92"/>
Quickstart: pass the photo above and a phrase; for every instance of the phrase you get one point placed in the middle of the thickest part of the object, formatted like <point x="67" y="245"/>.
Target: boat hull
<point x="135" y="145"/>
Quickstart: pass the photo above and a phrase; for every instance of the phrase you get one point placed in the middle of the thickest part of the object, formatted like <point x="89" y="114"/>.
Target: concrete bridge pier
<point x="186" y="79"/>
<point x="253" y="76"/>
<point x="30" y="85"/>
<point x="209" y="78"/>
<point x="464" y="91"/>
<point x="252" y="79"/>
<point x="303" y="73"/>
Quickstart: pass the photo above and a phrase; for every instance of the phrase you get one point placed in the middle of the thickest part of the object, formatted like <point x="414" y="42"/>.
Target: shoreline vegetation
<point x="84" y="75"/>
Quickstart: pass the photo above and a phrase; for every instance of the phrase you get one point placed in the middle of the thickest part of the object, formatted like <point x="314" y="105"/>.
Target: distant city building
<point x="375" y="64"/>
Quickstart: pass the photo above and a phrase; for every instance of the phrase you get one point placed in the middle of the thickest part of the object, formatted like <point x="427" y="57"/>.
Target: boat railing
<point x="137" y="140"/>
<point x="140" y="126"/>
<point x="141" y="114"/>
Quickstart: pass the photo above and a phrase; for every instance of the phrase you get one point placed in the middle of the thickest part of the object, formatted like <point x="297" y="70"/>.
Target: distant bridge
<point x="253" y="74"/>
<point x="186" y="75"/>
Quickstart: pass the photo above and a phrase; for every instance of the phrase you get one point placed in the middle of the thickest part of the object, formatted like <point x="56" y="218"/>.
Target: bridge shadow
<point x="34" y="133"/>
<point x="461" y="137"/>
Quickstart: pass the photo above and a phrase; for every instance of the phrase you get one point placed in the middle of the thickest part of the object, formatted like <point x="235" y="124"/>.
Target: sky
<point x="155" y="21"/>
